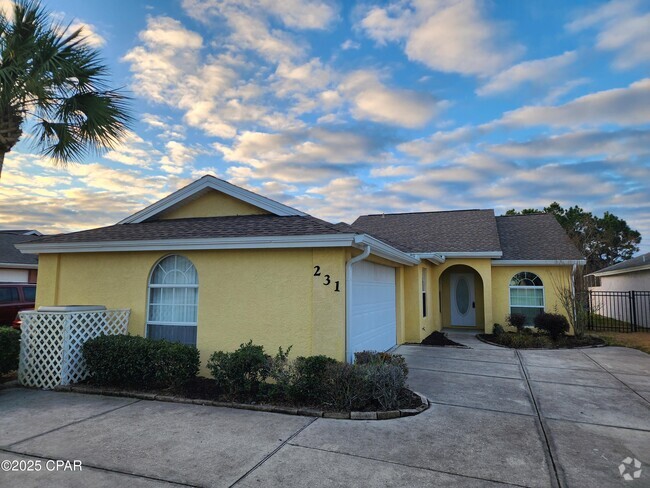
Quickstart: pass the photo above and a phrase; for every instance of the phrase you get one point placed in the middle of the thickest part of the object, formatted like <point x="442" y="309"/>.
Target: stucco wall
<point x="553" y="277"/>
<point x="212" y="204"/>
<point x="269" y="296"/>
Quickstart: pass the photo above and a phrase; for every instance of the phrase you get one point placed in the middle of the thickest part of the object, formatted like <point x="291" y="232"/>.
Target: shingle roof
<point x="9" y="253"/>
<point x="207" y="227"/>
<point x="534" y="237"/>
<point x="627" y="266"/>
<point x="446" y="231"/>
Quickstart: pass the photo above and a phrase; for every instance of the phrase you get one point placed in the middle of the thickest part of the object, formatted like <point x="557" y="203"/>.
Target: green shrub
<point x="310" y="380"/>
<point x="385" y="382"/>
<point x="241" y="372"/>
<point x="138" y="362"/>
<point x="522" y="341"/>
<point x="282" y="372"/>
<point x="554" y="324"/>
<point x="346" y="387"/>
<point x="9" y="349"/>
<point x="497" y="330"/>
<point x="516" y="320"/>
<point x="374" y="357"/>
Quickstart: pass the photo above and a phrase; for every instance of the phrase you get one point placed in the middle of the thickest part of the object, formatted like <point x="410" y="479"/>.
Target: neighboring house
<point x="16" y="267"/>
<point x="216" y="265"/>
<point x="623" y="291"/>
<point x="633" y="274"/>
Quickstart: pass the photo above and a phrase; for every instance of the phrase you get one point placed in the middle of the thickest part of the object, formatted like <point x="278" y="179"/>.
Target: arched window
<point x="527" y="295"/>
<point x="173" y="300"/>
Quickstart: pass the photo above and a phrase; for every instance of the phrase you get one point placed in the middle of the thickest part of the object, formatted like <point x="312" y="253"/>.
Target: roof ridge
<point x="430" y="212"/>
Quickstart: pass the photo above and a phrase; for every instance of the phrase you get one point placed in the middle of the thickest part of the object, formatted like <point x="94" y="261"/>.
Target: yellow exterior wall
<point x="552" y="277"/>
<point x="269" y="296"/>
<point x="212" y="204"/>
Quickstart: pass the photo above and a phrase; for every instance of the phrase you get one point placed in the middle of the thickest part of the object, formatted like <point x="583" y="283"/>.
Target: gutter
<point x="348" y="294"/>
<point x="435" y="258"/>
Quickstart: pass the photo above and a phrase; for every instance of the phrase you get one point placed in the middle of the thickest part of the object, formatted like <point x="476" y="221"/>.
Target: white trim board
<point x="539" y="262"/>
<point x="205" y="183"/>
<point x="631" y="269"/>
<point x="18" y="266"/>
<point x="328" y="240"/>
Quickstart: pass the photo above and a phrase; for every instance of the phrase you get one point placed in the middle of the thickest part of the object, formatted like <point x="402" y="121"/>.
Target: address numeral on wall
<point x="327" y="280"/>
<point x="317" y="272"/>
<point x="336" y="288"/>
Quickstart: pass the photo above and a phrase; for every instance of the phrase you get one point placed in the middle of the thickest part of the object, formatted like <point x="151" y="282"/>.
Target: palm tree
<point x="52" y="78"/>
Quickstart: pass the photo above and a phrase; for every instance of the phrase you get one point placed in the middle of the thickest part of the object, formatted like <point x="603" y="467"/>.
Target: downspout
<point x="348" y="295"/>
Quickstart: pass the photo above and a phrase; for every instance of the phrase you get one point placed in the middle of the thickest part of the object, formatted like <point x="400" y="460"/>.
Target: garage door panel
<point x="372" y="312"/>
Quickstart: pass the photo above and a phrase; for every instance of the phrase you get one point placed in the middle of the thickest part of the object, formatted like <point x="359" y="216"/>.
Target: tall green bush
<point x="138" y="362"/>
<point x="310" y="382"/>
<point x="9" y="349"/>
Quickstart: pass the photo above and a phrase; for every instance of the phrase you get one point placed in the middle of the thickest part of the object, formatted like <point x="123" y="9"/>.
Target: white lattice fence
<point x="50" y="344"/>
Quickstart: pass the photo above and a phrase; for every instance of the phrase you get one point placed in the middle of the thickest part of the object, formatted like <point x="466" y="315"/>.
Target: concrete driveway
<point x="498" y="418"/>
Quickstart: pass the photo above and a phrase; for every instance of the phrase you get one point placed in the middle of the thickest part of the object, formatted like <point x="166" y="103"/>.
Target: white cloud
<point x="446" y="35"/>
<point x="442" y="145"/>
<point x="372" y="100"/>
<point x="621" y="106"/>
<point x="89" y="32"/>
<point x="178" y="158"/>
<point x="539" y="72"/>
<point x="133" y="151"/>
<point x="622" y="27"/>
<point x="349" y="44"/>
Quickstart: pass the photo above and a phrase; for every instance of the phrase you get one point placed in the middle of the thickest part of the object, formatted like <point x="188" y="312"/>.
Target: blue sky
<point x="342" y="108"/>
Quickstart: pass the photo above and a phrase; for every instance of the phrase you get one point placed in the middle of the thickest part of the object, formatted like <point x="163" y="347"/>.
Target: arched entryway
<point x="462" y="297"/>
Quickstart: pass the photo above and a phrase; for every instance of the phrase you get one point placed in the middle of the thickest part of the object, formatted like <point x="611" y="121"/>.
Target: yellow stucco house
<point x="215" y="265"/>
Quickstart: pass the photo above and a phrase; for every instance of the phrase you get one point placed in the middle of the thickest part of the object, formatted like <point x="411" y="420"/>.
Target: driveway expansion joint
<point x="620" y="381"/>
<point x="107" y="470"/>
<point x="75" y="422"/>
<point x="410" y="466"/>
<point x="545" y="434"/>
<point x="273" y="452"/>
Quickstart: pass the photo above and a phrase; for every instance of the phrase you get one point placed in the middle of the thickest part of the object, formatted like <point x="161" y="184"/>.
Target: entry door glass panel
<point x="462" y="299"/>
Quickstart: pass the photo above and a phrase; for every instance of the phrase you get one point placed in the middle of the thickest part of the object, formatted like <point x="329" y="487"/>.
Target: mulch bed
<point x="566" y="342"/>
<point x="440" y="339"/>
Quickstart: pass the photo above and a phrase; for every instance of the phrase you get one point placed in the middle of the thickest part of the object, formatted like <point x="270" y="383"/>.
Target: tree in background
<point x="49" y="75"/>
<point x="602" y="240"/>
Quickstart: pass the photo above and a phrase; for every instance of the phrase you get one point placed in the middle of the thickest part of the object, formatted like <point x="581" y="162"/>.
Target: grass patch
<point x="635" y="340"/>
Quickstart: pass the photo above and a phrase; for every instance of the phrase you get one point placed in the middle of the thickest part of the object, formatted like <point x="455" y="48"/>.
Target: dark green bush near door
<point x="554" y="324"/>
<point x="138" y="362"/>
<point x="9" y="349"/>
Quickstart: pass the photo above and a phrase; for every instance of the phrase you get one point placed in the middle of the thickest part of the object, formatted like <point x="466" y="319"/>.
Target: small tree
<point x="516" y="320"/>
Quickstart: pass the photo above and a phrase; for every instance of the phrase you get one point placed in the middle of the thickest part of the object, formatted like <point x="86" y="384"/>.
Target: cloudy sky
<point x="342" y="108"/>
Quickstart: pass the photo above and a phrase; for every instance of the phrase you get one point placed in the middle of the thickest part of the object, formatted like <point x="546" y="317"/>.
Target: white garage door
<point x="373" y="323"/>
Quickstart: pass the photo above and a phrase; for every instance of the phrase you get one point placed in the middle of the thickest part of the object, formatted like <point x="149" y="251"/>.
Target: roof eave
<point x="631" y="269"/>
<point x="539" y="262"/>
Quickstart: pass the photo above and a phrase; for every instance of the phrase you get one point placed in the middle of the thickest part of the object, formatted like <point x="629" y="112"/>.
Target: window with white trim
<point x="527" y="295"/>
<point x="173" y="300"/>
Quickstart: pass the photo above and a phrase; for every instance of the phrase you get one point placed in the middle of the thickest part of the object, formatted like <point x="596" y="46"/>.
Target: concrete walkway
<point x="498" y="418"/>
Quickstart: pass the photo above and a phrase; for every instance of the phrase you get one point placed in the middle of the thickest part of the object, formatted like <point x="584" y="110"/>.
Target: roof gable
<point x="247" y="202"/>
<point x="535" y="237"/>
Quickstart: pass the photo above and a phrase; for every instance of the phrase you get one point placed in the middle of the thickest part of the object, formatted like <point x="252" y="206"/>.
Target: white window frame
<point x="519" y="287"/>
<point x="151" y="286"/>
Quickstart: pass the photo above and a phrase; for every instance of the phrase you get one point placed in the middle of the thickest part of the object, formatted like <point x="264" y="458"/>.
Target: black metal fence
<point x="618" y="311"/>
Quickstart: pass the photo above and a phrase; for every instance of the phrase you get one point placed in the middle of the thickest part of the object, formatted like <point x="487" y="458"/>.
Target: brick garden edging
<point x="307" y="412"/>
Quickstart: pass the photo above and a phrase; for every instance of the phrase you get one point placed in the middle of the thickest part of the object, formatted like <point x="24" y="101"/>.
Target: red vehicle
<point x="15" y="297"/>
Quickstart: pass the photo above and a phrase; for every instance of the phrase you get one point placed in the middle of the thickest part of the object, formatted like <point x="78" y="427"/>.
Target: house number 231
<point x="328" y="280"/>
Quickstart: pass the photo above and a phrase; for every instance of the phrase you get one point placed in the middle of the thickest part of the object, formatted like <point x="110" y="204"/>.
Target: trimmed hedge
<point x="138" y="362"/>
<point x="9" y="349"/>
